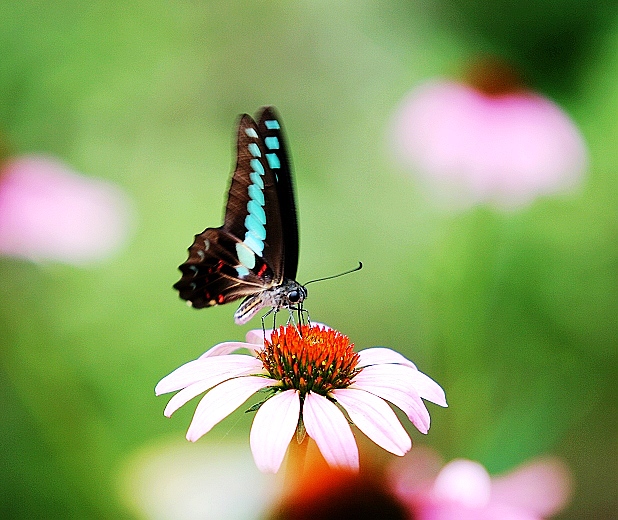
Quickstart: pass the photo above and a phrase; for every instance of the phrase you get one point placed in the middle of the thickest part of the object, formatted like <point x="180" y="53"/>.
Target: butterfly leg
<point x="263" y="328"/>
<point x="274" y="313"/>
<point x="306" y="314"/>
<point x="291" y="317"/>
<point x="303" y="315"/>
<point x="292" y="320"/>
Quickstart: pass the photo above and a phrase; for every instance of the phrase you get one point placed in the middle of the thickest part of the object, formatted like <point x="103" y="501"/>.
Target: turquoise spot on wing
<point x="254" y="150"/>
<point x="256" y="194"/>
<point x="256" y="179"/>
<point x="255" y="244"/>
<point x="272" y="124"/>
<point x="257" y="211"/>
<point x="242" y="271"/>
<point x="256" y="240"/>
<point x="255" y="226"/>
<point x="257" y="166"/>
<point x="251" y="132"/>
<point x="272" y="143"/>
<point x="273" y="161"/>
<point x="245" y="256"/>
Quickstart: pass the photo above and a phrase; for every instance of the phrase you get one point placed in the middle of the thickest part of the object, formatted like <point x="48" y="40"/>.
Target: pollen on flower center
<point x="310" y="358"/>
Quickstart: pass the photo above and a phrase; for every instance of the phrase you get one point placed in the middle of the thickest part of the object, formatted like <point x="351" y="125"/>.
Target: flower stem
<point x="296" y="463"/>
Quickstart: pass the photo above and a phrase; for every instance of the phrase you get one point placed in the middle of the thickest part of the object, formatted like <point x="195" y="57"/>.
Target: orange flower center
<point x="309" y="358"/>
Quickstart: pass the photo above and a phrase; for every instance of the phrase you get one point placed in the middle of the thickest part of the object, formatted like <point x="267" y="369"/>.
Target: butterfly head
<point x="296" y="294"/>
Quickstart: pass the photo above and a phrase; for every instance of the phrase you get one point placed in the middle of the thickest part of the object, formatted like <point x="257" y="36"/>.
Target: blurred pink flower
<point x="49" y="212"/>
<point x="471" y="146"/>
<point x="314" y="492"/>
<point x="463" y="490"/>
<point x="312" y="373"/>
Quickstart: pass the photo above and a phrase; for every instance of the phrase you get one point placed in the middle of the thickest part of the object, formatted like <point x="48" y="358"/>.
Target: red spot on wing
<point x="262" y="270"/>
<point x="220" y="298"/>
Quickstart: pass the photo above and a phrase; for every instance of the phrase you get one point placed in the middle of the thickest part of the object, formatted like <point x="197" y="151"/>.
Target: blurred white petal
<point x="463" y="490"/>
<point x="197" y="482"/>
<point x="465" y="482"/>
<point x="542" y="486"/>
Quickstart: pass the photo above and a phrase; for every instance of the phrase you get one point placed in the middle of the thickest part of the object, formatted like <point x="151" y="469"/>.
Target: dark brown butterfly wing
<point x="248" y="254"/>
<point x="210" y="275"/>
<point x="271" y="130"/>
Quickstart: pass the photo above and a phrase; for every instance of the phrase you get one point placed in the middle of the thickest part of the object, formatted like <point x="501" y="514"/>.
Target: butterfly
<point x="254" y="254"/>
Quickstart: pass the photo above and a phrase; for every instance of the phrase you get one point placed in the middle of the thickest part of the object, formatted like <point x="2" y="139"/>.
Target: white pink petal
<point x="214" y="369"/>
<point x="186" y="394"/>
<point x="382" y="355"/>
<point x="409" y="402"/>
<point x="329" y="428"/>
<point x="375" y="418"/>
<point x="222" y="400"/>
<point x="406" y="377"/>
<point x="223" y="349"/>
<point x="428" y="389"/>
<point x="257" y="336"/>
<point x="273" y="428"/>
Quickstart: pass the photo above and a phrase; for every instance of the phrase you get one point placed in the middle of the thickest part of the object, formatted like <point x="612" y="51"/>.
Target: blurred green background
<point x="514" y="314"/>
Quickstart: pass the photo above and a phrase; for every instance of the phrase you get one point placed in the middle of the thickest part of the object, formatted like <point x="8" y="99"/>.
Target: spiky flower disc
<point x="310" y="359"/>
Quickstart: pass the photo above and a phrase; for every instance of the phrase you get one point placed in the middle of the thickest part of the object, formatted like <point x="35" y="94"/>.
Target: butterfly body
<point x="285" y="296"/>
<point x="254" y="255"/>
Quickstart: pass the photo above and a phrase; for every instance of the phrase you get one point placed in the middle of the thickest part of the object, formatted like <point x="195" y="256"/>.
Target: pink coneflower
<point x="463" y="490"/>
<point x="316" y="384"/>
<point x="50" y="213"/>
<point x="489" y="142"/>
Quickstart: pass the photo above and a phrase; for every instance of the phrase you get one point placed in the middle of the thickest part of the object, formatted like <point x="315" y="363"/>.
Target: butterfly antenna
<point x="357" y="268"/>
